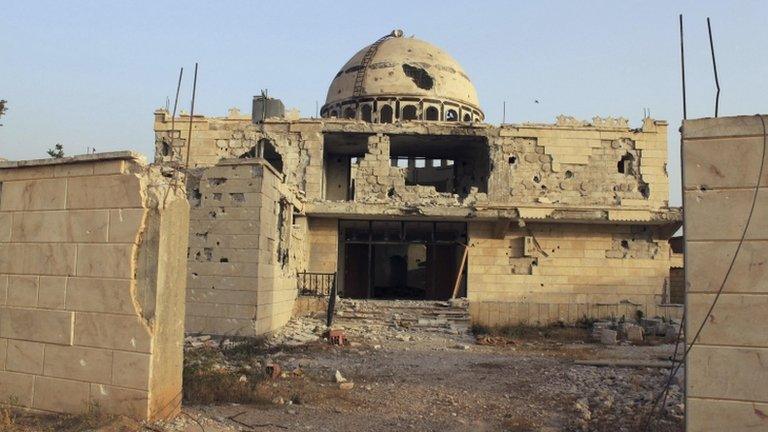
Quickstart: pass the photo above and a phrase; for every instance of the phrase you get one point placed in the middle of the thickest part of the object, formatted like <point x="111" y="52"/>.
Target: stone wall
<point x="92" y="277"/>
<point x="727" y="375"/>
<point x="542" y="273"/>
<point x="242" y="258"/>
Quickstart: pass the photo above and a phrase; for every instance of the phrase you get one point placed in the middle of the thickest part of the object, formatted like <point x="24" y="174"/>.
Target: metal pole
<point x="176" y="103"/>
<point x="682" y="67"/>
<point x="191" y="115"/>
<point x="714" y="66"/>
<point x="504" y="112"/>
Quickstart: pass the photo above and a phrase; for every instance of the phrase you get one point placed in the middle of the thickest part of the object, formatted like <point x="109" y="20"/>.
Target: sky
<point x="90" y="74"/>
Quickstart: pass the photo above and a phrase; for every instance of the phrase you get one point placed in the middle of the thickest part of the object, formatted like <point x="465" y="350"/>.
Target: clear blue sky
<point x="89" y="74"/>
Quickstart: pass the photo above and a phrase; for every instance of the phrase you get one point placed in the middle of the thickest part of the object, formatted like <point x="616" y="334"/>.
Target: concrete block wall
<point x="547" y="272"/>
<point x="91" y="285"/>
<point x="242" y="280"/>
<point x="727" y="375"/>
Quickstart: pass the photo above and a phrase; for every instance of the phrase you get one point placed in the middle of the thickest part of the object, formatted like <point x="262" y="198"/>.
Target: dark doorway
<point x="356" y="270"/>
<point x="416" y="260"/>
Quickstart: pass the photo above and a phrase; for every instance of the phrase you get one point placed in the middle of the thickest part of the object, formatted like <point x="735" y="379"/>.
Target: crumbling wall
<point x="92" y="277"/>
<point x="242" y="263"/>
<point x="577" y="163"/>
<point x="726" y="370"/>
<point x="541" y="273"/>
<point x="298" y="143"/>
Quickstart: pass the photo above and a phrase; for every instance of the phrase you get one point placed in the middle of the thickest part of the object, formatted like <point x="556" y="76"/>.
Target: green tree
<point x="56" y="152"/>
<point x="3" y="108"/>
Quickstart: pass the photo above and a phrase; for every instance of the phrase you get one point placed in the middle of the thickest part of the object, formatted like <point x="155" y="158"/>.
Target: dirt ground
<point x="414" y="381"/>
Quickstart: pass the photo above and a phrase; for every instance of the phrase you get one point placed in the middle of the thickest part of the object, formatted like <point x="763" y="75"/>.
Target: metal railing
<point x="316" y="284"/>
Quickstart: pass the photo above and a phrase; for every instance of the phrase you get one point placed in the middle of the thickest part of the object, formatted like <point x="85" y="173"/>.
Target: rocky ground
<point x="392" y="378"/>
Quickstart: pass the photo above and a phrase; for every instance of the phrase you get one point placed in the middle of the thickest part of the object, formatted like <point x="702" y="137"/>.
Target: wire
<point x="673" y="371"/>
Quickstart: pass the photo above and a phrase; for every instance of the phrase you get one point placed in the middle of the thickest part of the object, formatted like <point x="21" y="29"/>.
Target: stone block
<point x="73" y="169"/>
<point x="105" y="260"/>
<point x="16" y="388"/>
<point x="124" y="225"/>
<point x="100" y="295"/>
<point x="131" y="370"/>
<point x="37" y="325"/>
<point x="708" y="262"/>
<point x="732" y="321"/>
<point x="608" y="337"/>
<point x="38" y="259"/>
<point x="112" y="191"/>
<point x="122" y="332"/>
<point x="26" y="357"/>
<point x="710" y="377"/>
<point x="61" y="226"/>
<point x="60" y="395"/>
<point x="635" y="333"/>
<point x="722" y="127"/>
<point x="5" y="226"/>
<point x="45" y="194"/>
<point x="705" y="415"/>
<point x="723" y="163"/>
<point x="28" y="173"/>
<point x="52" y="292"/>
<point x="22" y="290"/>
<point x="707" y="211"/>
<point x="82" y="364"/>
<point x="121" y="401"/>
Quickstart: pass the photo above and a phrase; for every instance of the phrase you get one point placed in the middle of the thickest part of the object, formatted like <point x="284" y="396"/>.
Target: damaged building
<point x="400" y="190"/>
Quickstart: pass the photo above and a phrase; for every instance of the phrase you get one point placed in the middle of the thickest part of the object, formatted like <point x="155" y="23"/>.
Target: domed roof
<point x="402" y="66"/>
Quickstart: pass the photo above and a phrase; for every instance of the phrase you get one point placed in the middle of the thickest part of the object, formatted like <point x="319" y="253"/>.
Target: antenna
<point x="714" y="66"/>
<point x="316" y="110"/>
<point x="503" y="112"/>
<point x="682" y="67"/>
<point x="191" y="114"/>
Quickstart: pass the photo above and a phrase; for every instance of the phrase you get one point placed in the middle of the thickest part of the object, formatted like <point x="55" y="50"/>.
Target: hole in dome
<point x="420" y="77"/>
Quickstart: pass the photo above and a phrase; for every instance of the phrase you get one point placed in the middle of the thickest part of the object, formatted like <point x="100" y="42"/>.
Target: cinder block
<point x="22" y="290"/>
<point x="105" y="260"/>
<point x="131" y="370"/>
<point x="112" y="191"/>
<point x="122" y="332"/>
<point x="61" y="226"/>
<point x="100" y="295"/>
<point x="60" y="395"/>
<point x="45" y="194"/>
<point x="52" y="292"/>
<point x="120" y="401"/>
<point x="16" y="388"/>
<point x="82" y="364"/>
<point x="37" y="325"/>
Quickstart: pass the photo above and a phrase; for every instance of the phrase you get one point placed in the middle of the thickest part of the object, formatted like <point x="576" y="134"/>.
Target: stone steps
<point x="427" y="315"/>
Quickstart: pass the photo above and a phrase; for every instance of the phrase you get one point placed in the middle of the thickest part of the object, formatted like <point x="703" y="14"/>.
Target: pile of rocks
<point x="612" y="332"/>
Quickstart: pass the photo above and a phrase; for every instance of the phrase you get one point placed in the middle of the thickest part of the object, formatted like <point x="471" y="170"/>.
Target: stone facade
<point x="91" y="285"/>
<point x="727" y="377"/>
<point x="244" y="250"/>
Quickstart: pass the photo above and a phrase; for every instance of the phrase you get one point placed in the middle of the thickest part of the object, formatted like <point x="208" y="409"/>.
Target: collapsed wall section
<point x="244" y="251"/>
<point x="726" y="370"/>
<point x="543" y="273"/>
<point x="92" y="277"/>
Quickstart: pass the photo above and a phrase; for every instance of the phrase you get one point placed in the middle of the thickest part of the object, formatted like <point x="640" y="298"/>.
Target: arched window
<point x="385" y="115"/>
<point x="409" y="112"/>
<point x="467" y="117"/>
<point x="451" y="115"/>
<point x="365" y="113"/>
<point x="349" y="113"/>
<point x="432" y="114"/>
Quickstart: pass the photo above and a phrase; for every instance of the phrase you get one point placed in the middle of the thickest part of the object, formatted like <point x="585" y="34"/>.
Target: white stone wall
<point x="91" y="286"/>
<point x="727" y="373"/>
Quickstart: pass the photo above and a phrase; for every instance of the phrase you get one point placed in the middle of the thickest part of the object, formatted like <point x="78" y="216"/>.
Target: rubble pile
<point x="614" y="332"/>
